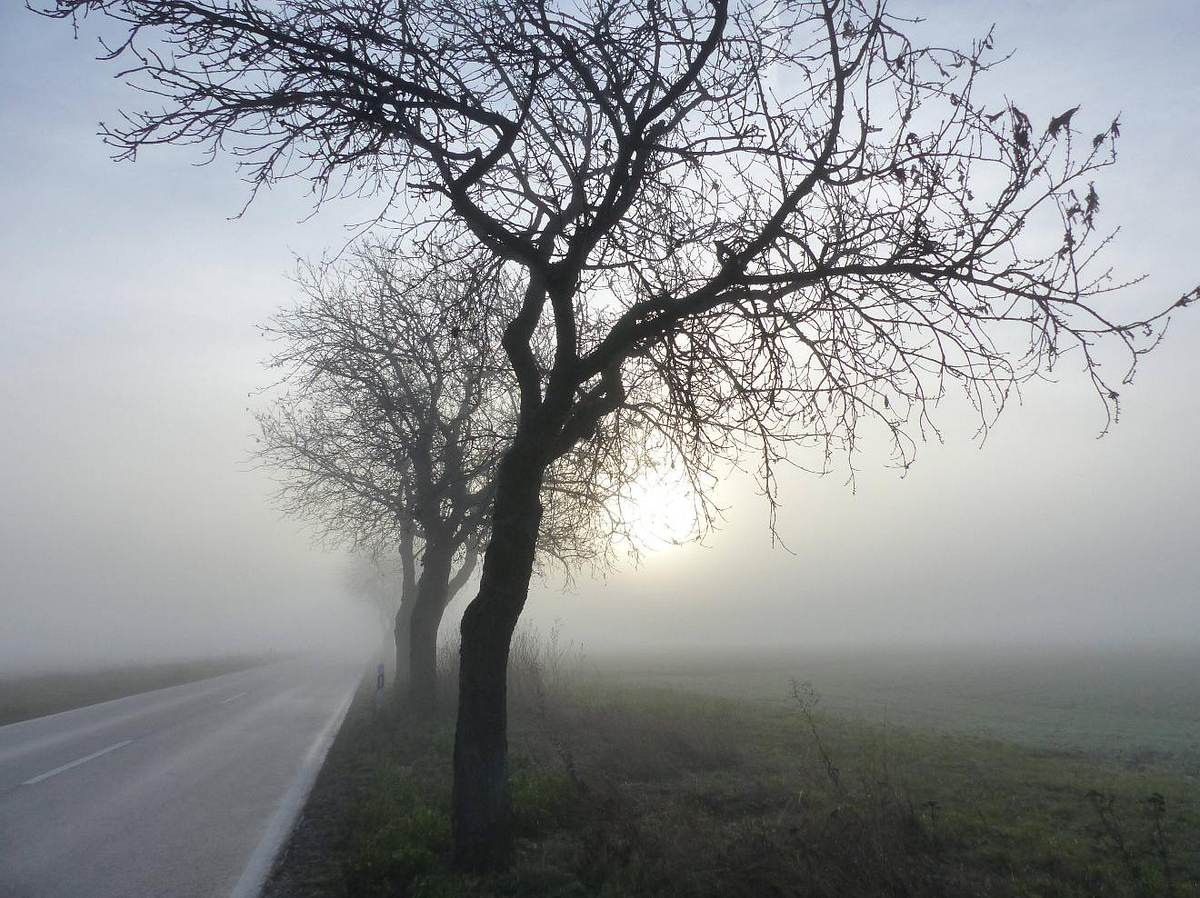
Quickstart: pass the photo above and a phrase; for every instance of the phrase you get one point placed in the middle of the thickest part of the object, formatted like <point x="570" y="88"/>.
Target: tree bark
<point x="482" y="810"/>
<point x="402" y="631"/>
<point x="402" y="628"/>
<point x="431" y="598"/>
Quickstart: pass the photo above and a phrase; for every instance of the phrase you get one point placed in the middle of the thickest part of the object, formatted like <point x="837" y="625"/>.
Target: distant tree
<point x="376" y="577"/>
<point x="391" y="428"/>
<point x="784" y="222"/>
<point x="391" y="416"/>
<point x="381" y="571"/>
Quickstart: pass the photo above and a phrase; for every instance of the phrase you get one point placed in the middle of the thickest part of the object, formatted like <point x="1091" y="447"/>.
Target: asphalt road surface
<point x="184" y="791"/>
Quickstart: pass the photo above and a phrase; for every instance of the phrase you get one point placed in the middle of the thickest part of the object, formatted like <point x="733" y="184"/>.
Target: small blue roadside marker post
<point x="379" y="683"/>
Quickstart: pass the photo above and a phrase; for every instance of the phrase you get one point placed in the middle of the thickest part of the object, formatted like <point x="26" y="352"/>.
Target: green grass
<point x="1139" y="706"/>
<point x="625" y="790"/>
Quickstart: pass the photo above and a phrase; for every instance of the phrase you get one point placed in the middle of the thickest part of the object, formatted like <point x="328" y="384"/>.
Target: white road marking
<point x="65" y="767"/>
<point x="233" y="698"/>
<point x="281" y="824"/>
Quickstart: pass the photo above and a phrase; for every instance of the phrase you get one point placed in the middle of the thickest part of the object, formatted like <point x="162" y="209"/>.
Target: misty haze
<point x="709" y="448"/>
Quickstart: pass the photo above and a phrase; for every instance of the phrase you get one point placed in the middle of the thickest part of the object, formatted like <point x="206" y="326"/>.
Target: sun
<point x="659" y="510"/>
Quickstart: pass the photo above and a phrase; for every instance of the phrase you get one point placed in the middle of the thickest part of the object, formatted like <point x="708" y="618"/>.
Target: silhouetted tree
<point x="782" y="221"/>
<point x="391" y="428"/>
<point x="377" y="575"/>
<point x="395" y="408"/>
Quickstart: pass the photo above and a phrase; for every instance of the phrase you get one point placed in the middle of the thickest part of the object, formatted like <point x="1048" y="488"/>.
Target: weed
<point x="1157" y="806"/>
<point x="807" y="699"/>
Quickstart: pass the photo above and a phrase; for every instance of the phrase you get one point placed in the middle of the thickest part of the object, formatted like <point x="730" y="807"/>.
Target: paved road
<point x="184" y="791"/>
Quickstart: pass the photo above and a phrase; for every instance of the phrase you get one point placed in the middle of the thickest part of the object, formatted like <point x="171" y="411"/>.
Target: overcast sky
<point x="134" y="524"/>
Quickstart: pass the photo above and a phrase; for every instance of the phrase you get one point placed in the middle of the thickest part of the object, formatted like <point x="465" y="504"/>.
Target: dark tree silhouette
<point x="781" y="222"/>
<point x="391" y="427"/>
<point x="393" y="411"/>
<point x="378" y="573"/>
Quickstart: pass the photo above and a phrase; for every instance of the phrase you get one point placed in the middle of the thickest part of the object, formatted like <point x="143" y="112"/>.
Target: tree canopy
<point x="791" y="196"/>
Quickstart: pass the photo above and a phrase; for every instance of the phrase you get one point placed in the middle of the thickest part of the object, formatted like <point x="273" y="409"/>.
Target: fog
<point x="136" y="526"/>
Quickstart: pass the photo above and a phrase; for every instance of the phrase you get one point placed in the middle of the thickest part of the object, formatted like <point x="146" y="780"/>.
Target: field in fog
<point x="1032" y="773"/>
<point x="1140" y="706"/>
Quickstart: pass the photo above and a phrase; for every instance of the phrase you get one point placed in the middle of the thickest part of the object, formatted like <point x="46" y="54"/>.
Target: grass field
<point x="625" y="786"/>
<point x="26" y="696"/>
<point x="1141" y="707"/>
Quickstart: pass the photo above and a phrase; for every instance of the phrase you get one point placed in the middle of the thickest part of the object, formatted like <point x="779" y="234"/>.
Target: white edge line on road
<point x="176" y="689"/>
<point x="65" y="767"/>
<point x="281" y="824"/>
<point x="233" y="698"/>
<point x="171" y="697"/>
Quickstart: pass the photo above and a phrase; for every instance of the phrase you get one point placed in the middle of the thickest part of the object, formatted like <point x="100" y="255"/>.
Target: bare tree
<point x="382" y="567"/>
<point x="390" y="428"/>
<point x="319" y="486"/>
<point x="376" y="577"/>
<point x="393" y="411"/>
<point x="782" y="221"/>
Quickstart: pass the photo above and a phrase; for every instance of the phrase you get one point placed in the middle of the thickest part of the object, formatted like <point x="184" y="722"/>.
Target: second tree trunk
<point x="432" y="588"/>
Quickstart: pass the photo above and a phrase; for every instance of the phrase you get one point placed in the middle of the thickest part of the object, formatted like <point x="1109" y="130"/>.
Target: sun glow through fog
<point x="660" y="510"/>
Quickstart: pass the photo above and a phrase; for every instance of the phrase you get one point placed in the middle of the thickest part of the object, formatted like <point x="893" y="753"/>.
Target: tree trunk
<point x="482" y="811"/>
<point x="403" y="634"/>
<point x="432" y="593"/>
<point x="402" y="629"/>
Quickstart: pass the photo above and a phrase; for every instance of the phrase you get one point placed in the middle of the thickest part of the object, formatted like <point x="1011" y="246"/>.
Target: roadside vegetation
<point x="625" y="790"/>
